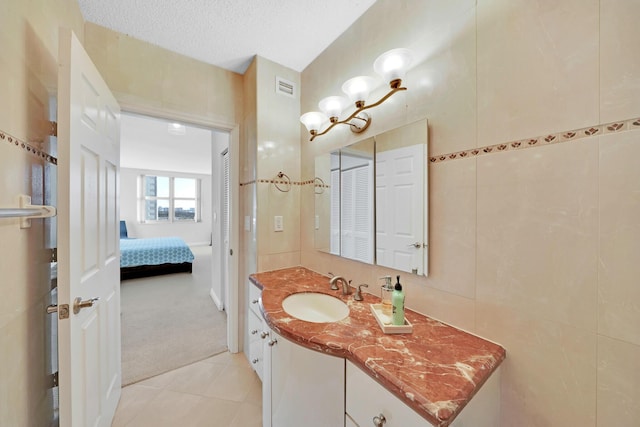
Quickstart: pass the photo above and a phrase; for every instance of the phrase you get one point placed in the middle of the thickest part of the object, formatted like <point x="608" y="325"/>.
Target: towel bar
<point x="27" y="211"/>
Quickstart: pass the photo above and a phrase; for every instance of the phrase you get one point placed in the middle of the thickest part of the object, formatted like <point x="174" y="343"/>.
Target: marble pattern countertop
<point x="435" y="370"/>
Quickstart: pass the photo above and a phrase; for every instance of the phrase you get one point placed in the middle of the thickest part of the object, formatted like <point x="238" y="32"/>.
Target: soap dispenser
<point x="386" y="291"/>
<point x="397" y="300"/>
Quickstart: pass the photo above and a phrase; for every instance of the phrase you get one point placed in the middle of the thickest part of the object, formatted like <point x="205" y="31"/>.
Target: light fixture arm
<point x="358" y="111"/>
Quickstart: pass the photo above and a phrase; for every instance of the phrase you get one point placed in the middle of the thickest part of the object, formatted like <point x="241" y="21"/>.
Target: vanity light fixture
<point x="391" y="66"/>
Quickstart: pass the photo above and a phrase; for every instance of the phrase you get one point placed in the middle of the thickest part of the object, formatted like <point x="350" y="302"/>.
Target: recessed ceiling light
<point x="176" y="129"/>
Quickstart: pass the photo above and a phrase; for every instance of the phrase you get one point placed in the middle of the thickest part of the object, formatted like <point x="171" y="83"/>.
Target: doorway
<point x="178" y="150"/>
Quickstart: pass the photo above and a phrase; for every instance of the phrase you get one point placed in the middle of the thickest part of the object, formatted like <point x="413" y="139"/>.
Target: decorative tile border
<point x="28" y="148"/>
<point x="314" y="182"/>
<point x="274" y="181"/>
<point x="553" y="138"/>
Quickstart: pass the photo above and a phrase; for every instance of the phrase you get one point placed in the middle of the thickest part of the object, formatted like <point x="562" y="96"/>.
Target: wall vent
<point x="285" y="87"/>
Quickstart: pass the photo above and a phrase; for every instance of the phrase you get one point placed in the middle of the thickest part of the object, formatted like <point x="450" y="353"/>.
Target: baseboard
<point x="216" y="300"/>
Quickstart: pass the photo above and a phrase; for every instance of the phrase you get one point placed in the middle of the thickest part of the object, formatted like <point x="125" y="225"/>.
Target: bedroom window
<point x="170" y="199"/>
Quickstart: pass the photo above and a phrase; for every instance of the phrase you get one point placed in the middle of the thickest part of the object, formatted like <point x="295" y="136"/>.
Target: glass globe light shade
<point x="393" y="65"/>
<point x="332" y="106"/>
<point x="359" y="88"/>
<point x="313" y="120"/>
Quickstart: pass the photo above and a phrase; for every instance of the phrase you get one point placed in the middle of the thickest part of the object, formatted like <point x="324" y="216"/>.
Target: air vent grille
<point x="285" y="87"/>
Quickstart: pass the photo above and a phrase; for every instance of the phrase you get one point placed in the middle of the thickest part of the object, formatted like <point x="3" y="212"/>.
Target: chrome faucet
<point x="346" y="290"/>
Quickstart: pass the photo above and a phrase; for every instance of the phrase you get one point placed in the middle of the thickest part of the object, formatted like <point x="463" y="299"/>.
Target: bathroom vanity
<point x="348" y="372"/>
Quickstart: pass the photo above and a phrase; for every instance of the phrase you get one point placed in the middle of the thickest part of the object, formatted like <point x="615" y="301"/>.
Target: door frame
<point x="233" y="310"/>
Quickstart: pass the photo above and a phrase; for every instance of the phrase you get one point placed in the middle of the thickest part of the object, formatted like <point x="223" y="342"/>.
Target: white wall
<point x="192" y="233"/>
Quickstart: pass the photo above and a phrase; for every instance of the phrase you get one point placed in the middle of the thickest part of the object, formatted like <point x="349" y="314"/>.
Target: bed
<point x="154" y="256"/>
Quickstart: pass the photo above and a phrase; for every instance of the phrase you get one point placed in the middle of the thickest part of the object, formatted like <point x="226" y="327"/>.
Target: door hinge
<point x="54" y="255"/>
<point x="53" y="380"/>
<point x="53" y="129"/>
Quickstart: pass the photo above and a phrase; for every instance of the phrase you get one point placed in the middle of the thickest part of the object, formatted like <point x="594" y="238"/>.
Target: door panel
<point x="399" y="195"/>
<point x="88" y="250"/>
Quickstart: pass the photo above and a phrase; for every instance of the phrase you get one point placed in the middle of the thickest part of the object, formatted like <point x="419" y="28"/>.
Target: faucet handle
<point x="358" y="295"/>
<point x="332" y="282"/>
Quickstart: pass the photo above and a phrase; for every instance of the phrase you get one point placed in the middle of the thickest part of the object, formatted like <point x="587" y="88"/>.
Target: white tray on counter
<point x="388" y="328"/>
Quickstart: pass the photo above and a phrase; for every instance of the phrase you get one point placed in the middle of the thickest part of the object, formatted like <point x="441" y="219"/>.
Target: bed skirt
<point x="154" y="270"/>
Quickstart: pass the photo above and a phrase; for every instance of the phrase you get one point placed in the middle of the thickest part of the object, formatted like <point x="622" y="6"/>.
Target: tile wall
<point x="28" y="81"/>
<point x="534" y="148"/>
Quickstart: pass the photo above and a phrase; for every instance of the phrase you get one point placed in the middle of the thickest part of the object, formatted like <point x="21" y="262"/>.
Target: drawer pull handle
<point x="254" y="331"/>
<point x="272" y="342"/>
<point x="379" y="421"/>
<point x="255" y="301"/>
<point x="264" y="334"/>
<point x="254" y="361"/>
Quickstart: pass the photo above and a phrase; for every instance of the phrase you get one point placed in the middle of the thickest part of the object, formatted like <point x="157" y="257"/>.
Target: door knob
<point x="78" y="304"/>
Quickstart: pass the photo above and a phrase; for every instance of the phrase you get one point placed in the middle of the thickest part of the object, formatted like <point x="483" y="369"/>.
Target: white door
<point x="88" y="245"/>
<point x="399" y="211"/>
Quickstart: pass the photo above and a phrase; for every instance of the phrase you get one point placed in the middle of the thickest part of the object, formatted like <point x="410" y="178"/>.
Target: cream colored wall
<point x="278" y="150"/>
<point x="144" y="77"/>
<point x="248" y="201"/>
<point x="28" y="78"/>
<point x="535" y="248"/>
<point x="272" y="146"/>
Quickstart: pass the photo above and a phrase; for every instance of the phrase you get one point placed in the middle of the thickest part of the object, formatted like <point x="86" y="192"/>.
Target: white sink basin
<point x="315" y="307"/>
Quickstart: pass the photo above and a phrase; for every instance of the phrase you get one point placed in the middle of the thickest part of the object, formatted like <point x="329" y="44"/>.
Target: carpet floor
<point x="170" y="321"/>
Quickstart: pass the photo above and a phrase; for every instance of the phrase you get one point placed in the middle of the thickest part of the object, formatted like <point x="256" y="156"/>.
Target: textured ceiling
<point x="228" y="33"/>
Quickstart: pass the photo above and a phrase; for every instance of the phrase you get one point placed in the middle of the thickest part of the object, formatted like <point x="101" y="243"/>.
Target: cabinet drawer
<point x="254" y="296"/>
<point x="367" y="399"/>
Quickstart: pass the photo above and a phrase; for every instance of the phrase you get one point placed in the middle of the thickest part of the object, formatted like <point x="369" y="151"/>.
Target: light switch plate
<point x="278" y="223"/>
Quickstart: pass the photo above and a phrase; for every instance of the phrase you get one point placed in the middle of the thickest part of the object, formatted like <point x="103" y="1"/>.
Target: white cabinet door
<point x="306" y="388"/>
<point x="255" y="343"/>
<point x="484" y="409"/>
<point x="367" y="399"/>
<point x="348" y="422"/>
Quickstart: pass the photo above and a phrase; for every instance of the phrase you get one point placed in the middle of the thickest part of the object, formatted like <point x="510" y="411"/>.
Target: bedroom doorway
<point x="203" y="162"/>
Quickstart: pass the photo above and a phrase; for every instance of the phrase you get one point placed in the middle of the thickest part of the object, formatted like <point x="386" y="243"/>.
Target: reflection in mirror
<point x="344" y="200"/>
<point x="401" y="183"/>
<point x="327" y="209"/>
<point x="356" y="201"/>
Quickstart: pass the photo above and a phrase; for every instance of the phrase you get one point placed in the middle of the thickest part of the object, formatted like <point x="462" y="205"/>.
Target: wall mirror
<point x="371" y="202"/>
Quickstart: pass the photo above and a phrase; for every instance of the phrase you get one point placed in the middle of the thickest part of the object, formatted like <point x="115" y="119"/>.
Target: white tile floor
<point x="220" y="391"/>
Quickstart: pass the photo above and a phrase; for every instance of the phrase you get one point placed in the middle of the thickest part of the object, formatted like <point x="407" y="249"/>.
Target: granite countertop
<point x="435" y="370"/>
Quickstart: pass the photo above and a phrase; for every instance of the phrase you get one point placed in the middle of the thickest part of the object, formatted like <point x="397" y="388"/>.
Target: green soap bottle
<point x="397" y="300"/>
